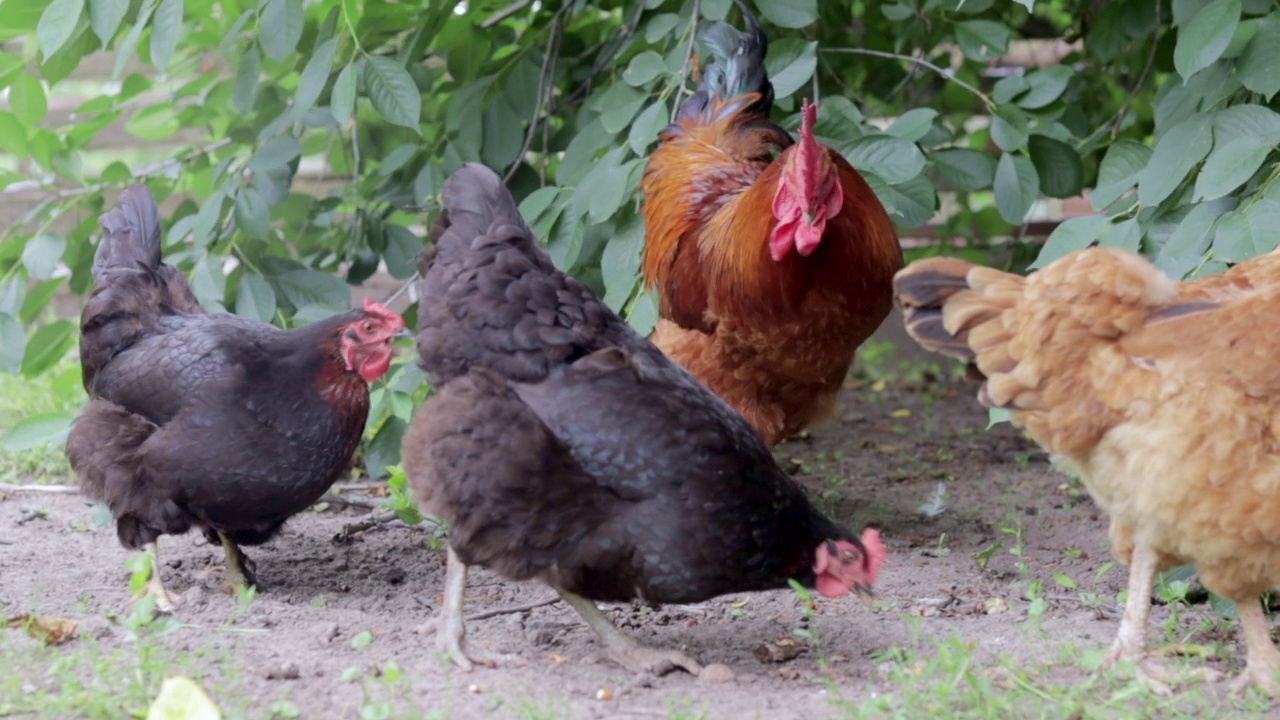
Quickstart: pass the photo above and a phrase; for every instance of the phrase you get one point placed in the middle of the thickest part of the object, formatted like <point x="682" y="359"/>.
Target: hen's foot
<point x="451" y="631"/>
<point x="624" y="649"/>
<point x="1262" y="669"/>
<point x="165" y="602"/>
<point x="241" y="571"/>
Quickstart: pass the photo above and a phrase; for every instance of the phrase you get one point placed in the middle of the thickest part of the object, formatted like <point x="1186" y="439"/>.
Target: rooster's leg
<point x="240" y="569"/>
<point x="451" y="631"/>
<point x="1263" y="665"/>
<point x="154" y="587"/>
<point x="624" y="649"/>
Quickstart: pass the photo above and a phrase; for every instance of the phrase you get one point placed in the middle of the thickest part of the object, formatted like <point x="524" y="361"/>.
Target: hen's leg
<point x="240" y="569"/>
<point x="451" y="631"/>
<point x="165" y="602"/>
<point x="1263" y="662"/>
<point x="1131" y="642"/>
<point x="624" y="649"/>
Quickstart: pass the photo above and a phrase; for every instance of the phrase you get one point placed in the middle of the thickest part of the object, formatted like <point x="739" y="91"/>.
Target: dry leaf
<point x="45" y="628"/>
<point x="995" y="606"/>
<point x="181" y="698"/>
<point x="780" y="650"/>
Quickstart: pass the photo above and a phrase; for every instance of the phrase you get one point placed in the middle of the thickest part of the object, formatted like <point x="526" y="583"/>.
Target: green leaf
<point x="1009" y="128"/>
<point x="47" y="346"/>
<point x="1258" y="65"/>
<point x="1126" y="234"/>
<point x="314" y="77"/>
<point x="895" y="160"/>
<point x="383" y="452"/>
<point x="789" y="13"/>
<point x="503" y="135"/>
<point x="644" y="131"/>
<point x="1058" y="165"/>
<point x="1045" y="86"/>
<point x="342" y="101"/>
<point x="790" y="64"/>
<point x="911" y="203"/>
<point x="964" y="168"/>
<point x="1071" y="235"/>
<point x="166" y="29"/>
<point x="1202" y="40"/>
<point x="304" y="287"/>
<point x="982" y="40"/>
<point x="1229" y="166"/>
<point x="154" y="122"/>
<point x="1016" y="187"/>
<point x="620" y="104"/>
<point x="620" y="262"/>
<point x="37" y="299"/>
<point x="1186" y="246"/>
<point x="401" y="252"/>
<point x="27" y="100"/>
<point x="255" y="299"/>
<point x="1175" y="153"/>
<point x="537" y="202"/>
<point x="13" y="343"/>
<point x="643" y="68"/>
<point x="105" y="17"/>
<point x="1119" y="171"/>
<point x="244" y="89"/>
<point x="252" y="216"/>
<point x="38" y="431"/>
<point x="275" y="152"/>
<point x="913" y="124"/>
<point x="125" y="49"/>
<point x="57" y="23"/>
<point x="280" y="27"/>
<point x="393" y="92"/>
<point x="42" y="253"/>
<point x="1252" y="121"/>
<point x="1233" y="238"/>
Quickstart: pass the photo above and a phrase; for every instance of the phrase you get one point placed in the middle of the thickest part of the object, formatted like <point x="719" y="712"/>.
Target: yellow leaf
<point x="181" y="698"/>
<point x="47" y="629"/>
<point x="877" y="386"/>
<point x="741" y="603"/>
<point x="900" y="413"/>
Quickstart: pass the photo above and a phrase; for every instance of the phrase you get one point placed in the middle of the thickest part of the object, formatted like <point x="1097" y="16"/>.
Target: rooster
<point x="560" y="445"/>
<point x="773" y="259"/>
<point x="1161" y="395"/>
<point x="210" y="420"/>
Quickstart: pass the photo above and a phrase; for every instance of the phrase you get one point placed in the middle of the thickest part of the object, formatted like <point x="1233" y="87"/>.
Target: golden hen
<point x="1162" y="395"/>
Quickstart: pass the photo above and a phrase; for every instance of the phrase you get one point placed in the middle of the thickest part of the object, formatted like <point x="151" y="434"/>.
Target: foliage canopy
<point x="302" y="141"/>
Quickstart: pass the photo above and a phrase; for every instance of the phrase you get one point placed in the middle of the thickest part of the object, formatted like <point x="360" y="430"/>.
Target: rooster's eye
<point x="848" y="556"/>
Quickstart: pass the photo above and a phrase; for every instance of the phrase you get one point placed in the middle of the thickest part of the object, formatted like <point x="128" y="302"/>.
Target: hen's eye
<point x="848" y="556"/>
<point x="368" y="327"/>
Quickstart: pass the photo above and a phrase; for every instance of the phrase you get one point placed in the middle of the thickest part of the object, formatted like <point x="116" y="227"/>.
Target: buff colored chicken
<point x="1162" y="395"/>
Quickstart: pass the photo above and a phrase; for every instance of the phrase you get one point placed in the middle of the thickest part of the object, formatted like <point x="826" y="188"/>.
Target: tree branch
<point x="544" y="89"/>
<point x="946" y="74"/>
<point x="688" y="58"/>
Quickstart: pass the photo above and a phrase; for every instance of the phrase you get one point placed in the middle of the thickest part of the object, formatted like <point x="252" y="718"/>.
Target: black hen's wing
<point x="133" y="289"/>
<point x="490" y="296"/>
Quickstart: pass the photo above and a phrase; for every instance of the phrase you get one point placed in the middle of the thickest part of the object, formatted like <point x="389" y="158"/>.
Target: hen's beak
<point x="404" y="333"/>
<point x="864" y="593"/>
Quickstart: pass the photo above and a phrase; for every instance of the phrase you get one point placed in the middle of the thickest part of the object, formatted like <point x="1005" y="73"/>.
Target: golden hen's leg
<point x="1263" y="662"/>
<point x="240" y="569"/>
<point x="451" y="631"/>
<point x="154" y="588"/>
<point x="624" y="649"/>
<point x="1131" y="640"/>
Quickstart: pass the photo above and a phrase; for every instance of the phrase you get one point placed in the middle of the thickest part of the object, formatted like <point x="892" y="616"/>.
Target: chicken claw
<point x="1263" y="664"/>
<point x="451" y="631"/>
<point x="624" y="649"/>
<point x="154" y="588"/>
<point x="241" y="571"/>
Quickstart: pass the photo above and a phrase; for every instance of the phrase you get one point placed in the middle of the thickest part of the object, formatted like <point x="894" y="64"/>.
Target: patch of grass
<point x="57" y="391"/>
<point x="947" y="680"/>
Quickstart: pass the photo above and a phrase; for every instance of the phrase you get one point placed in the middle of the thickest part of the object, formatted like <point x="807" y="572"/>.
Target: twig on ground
<point x="375" y="520"/>
<point x="512" y="610"/>
<point x="53" y="489"/>
<point x="352" y="501"/>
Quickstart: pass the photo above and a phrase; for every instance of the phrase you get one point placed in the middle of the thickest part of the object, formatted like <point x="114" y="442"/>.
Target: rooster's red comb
<point x="379" y="310"/>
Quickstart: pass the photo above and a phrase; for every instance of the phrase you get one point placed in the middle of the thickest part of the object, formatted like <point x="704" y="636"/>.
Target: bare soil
<point x="897" y="439"/>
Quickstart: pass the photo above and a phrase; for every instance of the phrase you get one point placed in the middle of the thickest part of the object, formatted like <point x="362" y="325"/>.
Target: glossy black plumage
<point x="202" y="420"/>
<point x="561" y="445"/>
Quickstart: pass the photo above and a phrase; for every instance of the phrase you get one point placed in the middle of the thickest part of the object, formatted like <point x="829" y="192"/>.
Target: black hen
<point x="561" y="445"/>
<point x="210" y="420"/>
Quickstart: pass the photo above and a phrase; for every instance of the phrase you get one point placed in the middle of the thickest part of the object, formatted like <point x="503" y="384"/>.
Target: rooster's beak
<point x="864" y="593"/>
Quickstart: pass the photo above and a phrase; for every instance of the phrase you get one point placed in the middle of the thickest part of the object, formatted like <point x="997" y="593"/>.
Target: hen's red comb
<point x="377" y="309"/>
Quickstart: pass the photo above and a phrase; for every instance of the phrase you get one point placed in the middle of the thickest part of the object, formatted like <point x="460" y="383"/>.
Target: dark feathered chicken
<point x="560" y="445"/>
<point x="210" y="420"/>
